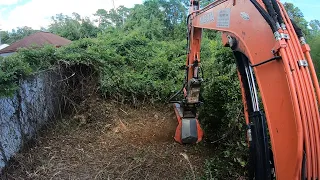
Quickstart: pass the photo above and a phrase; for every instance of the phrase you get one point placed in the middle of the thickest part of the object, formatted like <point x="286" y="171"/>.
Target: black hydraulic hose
<point x="270" y="9"/>
<point x="265" y="15"/>
<point x="304" y="168"/>
<point x="264" y="62"/>
<point x="297" y="29"/>
<point x="188" y="20"/>
<point x="277" y="9"/>
<point x="176" y="94"/>
<point x="188" y="36"/>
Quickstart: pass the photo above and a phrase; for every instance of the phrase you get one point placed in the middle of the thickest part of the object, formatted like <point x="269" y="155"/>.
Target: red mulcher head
<point x="188" y="130"/>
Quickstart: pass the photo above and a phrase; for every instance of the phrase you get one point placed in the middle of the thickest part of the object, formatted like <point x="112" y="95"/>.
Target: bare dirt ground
<point x="106" y="140"/>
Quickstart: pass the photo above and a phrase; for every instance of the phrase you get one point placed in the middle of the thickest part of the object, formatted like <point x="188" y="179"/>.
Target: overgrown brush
<point x="134" y="69"/>
<point x="139" y="64"/>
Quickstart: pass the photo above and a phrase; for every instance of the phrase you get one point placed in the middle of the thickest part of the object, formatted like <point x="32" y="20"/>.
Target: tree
<point x="72" y="28"/>
<point x="147" y="19"/>
<point x="119" y="16"/>
<point x="65" y="26"/>
<point x="88" y="29"/>
<point x="102" y="18"/>
<point x="159" y="19"/>
<point x="5" y="37"/>
<point x="314" y="41"/>
<point x="315" y="26"/>
<point x="296" y="15"/>
<point x="113" y="18"/>
<point x="205" y="2"/>
<point x="16" y="34"/>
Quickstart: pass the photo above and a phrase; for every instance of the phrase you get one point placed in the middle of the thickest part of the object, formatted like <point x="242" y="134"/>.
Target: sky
<point x="37" y="13"/>
<point x="309" y="8"/>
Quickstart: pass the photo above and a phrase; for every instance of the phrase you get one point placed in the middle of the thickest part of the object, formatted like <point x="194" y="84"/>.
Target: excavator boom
<point x="274" y="63"/>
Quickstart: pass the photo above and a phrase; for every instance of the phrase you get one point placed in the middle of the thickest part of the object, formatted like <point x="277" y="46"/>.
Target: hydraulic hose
<point x="188" y="36"/>
<point x="265" y="15"/>
<point x="277" y="9"/>
<point x="297" y="29"/>
<point x="271" y="10"/>
<point x="176" y="94"/>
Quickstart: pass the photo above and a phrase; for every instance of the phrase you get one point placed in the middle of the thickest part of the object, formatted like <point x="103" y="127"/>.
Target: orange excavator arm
<point x="274" y="62"/>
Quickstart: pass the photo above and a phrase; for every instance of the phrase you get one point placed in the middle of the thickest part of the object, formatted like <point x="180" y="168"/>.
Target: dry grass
<point x="106" y="140"/>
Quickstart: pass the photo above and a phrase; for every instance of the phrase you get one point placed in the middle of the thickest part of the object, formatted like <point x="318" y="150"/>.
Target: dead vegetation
<point x="107" y="140"/>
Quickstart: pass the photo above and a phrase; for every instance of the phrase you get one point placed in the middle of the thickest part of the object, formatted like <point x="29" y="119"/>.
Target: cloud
<point x="7" y="2"/>
<point x="37" y="13"/>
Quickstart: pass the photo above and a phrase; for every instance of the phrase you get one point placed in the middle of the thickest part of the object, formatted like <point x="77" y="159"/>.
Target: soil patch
<point x="107" y="140"/>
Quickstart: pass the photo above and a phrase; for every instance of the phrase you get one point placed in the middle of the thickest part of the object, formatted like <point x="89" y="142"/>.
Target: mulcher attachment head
<point x="188" y="130"/>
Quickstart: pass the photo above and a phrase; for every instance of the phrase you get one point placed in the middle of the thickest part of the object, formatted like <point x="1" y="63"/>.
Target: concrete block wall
<point x="36" y="102"/>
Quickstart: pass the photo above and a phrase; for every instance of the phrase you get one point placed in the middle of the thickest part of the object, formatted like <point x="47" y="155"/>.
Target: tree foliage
<point x="137" y="53"/>
<point x="112" y="18"/>
<point x="312" y="34"/>
<point x="315" y="27"/>
<point x="15" y="34"/>
<point x="296" y="14"/>
<point x="74" y="27"/>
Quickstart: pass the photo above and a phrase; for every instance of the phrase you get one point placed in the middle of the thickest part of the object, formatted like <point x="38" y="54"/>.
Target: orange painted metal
<point x="290" y="91"/>
<point x="194" y="52"/>
<point x="256" y="40"/>
<point x="177" y="135"/>
<point x="311" y="96"/>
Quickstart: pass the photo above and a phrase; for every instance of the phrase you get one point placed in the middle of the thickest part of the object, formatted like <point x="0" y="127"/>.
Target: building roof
<point x="2" y="46"/>
<point x="39" y="39"/>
